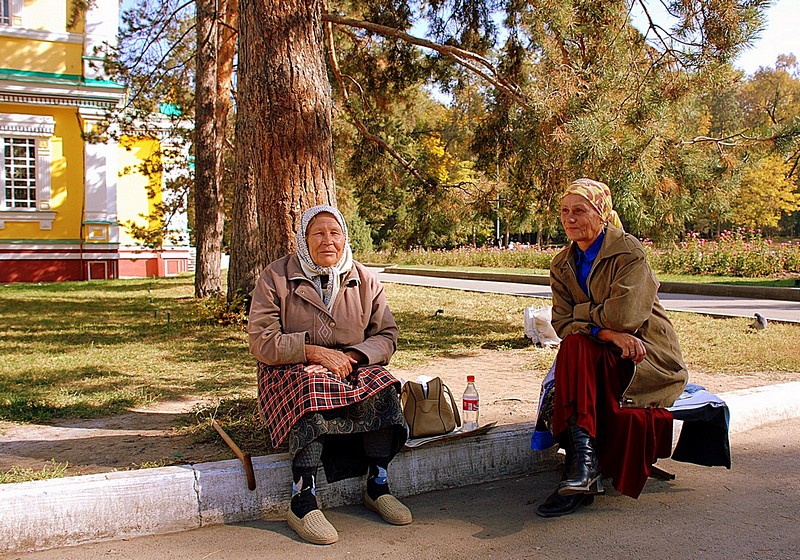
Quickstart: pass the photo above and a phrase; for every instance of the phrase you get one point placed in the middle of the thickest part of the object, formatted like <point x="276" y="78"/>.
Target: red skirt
<point x="589" y="381"/>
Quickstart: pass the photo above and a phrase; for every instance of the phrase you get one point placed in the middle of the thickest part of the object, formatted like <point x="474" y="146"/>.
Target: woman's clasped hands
<point x="329" y="360"/>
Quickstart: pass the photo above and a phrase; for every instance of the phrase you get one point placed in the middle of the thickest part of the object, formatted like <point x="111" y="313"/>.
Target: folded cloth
<point x="704" y="438"/>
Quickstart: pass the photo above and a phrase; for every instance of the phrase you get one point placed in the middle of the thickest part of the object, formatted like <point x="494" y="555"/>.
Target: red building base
<point x="73" y="264"/>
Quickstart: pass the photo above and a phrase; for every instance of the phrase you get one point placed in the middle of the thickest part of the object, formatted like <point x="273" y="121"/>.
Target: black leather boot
<point x="557" y="505"/>
<point x="583" y="476"/>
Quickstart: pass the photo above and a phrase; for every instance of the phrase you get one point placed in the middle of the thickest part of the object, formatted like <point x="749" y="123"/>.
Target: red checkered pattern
<point x="286" y="393"/>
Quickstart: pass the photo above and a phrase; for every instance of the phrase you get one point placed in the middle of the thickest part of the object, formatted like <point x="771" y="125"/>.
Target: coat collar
<point x="613" y="244"/>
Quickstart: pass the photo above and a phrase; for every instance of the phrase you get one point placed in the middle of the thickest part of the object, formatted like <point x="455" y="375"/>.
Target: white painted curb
<point x="60" y="512"/>
<point x="751" y="408"/>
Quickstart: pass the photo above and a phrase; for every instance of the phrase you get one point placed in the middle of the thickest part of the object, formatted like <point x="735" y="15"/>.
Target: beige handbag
<point x="434" y="415"/>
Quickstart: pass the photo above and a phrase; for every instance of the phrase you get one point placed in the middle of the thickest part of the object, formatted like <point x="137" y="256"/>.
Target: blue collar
<point x="584" y="260"/>
<point x="590" y="254"/>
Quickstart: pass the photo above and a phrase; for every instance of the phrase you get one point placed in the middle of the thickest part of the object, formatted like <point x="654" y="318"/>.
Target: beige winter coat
<point x="623" y="297"/>
<point x="287" y="312"/>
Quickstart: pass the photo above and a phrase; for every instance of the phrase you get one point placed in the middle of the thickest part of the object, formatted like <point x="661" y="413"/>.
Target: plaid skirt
<point x="306" y="407"/>
<point x="287" y="393"/>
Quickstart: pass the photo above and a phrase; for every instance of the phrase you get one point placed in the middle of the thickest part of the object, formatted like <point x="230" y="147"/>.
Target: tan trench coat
<point x="287" y="312"/>
<point x="623" y="297"/>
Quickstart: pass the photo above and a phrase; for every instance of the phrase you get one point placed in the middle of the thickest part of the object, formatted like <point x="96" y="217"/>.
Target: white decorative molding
<point x="38" y="35"/>
<point x="15" y="15"/>
<point x="58" y="256"/>
<point x="14" y="124"/>
<point x="45" y="219"/>
<point x="100" y="24"/>
<point x="100" y="180"/>
<point x="40" y="127"/>
<point x="60" y="248"/>
<point x="47" y="98"/>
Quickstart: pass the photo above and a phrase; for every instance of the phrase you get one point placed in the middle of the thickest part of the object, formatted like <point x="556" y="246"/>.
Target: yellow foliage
<point x="439" y="161"/>
<point x="765" y="194"/>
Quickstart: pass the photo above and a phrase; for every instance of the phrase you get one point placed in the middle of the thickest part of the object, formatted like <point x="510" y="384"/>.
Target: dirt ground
<point x="149" y="437"/>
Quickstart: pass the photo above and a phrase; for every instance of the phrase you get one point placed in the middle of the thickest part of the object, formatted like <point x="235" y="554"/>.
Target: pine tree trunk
<point x="213" y="104"/>
<point x="283" y="128"/>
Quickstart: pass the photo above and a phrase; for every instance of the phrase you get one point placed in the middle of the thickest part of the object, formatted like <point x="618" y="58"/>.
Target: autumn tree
<point x="755" y="132"/>
<point x="766" y="194"/>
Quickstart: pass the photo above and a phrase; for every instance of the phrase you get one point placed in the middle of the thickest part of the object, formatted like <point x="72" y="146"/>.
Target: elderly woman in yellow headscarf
<point x="619" y="364"/>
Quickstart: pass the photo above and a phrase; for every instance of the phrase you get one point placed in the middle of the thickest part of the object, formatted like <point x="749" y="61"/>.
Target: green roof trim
<point x="170" y="109"/>
<point x="51" y="78"/>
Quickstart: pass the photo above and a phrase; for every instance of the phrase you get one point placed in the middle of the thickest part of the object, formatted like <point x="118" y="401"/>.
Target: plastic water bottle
<point x="470" y="403"/>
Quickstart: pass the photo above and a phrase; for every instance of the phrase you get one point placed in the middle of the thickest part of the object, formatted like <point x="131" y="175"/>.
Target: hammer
<point x="243" y="457"/>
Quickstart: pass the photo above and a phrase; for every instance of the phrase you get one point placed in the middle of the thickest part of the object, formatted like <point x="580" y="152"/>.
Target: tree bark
<point x="213" y="103"/>
<point x="283" y="128"/>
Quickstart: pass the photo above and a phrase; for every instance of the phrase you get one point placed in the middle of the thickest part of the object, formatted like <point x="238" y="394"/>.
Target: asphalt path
<point x="719" y="306"/>
<point x="751" y="512"/>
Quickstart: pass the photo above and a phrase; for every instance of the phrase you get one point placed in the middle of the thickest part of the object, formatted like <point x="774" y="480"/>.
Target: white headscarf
<point x="311" y="269"/>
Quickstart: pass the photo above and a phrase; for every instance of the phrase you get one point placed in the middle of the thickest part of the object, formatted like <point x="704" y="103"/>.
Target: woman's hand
<point x="322" y="360"/>
<point x="632" y="347"/>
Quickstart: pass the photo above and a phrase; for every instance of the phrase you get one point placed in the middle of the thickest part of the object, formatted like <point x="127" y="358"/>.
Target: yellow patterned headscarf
<point x="599" y="196"/>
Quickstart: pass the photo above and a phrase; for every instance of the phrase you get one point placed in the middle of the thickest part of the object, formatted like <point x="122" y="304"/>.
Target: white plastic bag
<point x="538" y="327"/>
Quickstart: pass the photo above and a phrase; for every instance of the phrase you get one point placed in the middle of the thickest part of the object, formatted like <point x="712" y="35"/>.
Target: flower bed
<point x="738" y="253"/>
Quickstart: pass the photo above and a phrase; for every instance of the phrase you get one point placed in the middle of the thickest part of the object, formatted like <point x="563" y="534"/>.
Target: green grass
<point x="81" y="349"/>
<point x="96" y="349"/>
<point x="51" y="470"/>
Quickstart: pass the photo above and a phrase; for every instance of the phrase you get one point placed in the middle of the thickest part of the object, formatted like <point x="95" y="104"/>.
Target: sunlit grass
<point x="18" y="474"/>
<point x="95" y="349"/>
<point x="81" y="349"/>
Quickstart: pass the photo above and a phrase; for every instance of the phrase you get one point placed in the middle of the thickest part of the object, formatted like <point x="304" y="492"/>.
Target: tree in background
<point x="766" y="194"/>
<point x="216" y="22"/>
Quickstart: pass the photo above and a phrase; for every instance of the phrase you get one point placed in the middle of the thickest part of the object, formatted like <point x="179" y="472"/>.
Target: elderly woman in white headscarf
<point x="322" y="331"/>
<point x="619" y="364"/>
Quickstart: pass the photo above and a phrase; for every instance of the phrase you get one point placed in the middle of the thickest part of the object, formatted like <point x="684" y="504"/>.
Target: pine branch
<point x="469" y="60"/>
<point x="408" y="166"/>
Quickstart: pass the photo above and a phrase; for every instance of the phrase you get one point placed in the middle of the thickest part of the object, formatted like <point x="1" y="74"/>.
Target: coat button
<point x="332" y="324"/>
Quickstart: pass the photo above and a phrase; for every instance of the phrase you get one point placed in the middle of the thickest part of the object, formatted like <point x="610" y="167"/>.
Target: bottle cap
<point x="470" y="379"/>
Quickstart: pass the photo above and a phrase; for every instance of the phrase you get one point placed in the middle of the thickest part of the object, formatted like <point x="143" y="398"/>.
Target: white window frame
<point x="14" y="17"/>
<point x="40" y="128"/>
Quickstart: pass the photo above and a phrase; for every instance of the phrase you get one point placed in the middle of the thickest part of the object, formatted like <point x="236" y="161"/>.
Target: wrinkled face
<point x="325" y="240"/>
<point x="582" y="223"/>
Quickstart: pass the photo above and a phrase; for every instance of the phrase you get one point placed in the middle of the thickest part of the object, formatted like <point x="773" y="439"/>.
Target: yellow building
<point x="63" y="199"/>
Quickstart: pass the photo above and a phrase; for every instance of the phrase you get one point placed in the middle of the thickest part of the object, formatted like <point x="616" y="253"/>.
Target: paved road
<point x="773" y="310"/>
<point x="750" y="512"/>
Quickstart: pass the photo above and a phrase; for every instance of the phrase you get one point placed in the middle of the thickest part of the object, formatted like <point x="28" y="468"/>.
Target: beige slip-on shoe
<point x="313" y="527"/>
<point x="390" y="508"/>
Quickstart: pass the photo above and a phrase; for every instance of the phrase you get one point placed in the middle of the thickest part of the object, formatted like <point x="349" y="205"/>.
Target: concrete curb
<point x="754" y="292"/>
<point x="61" y="512"/>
